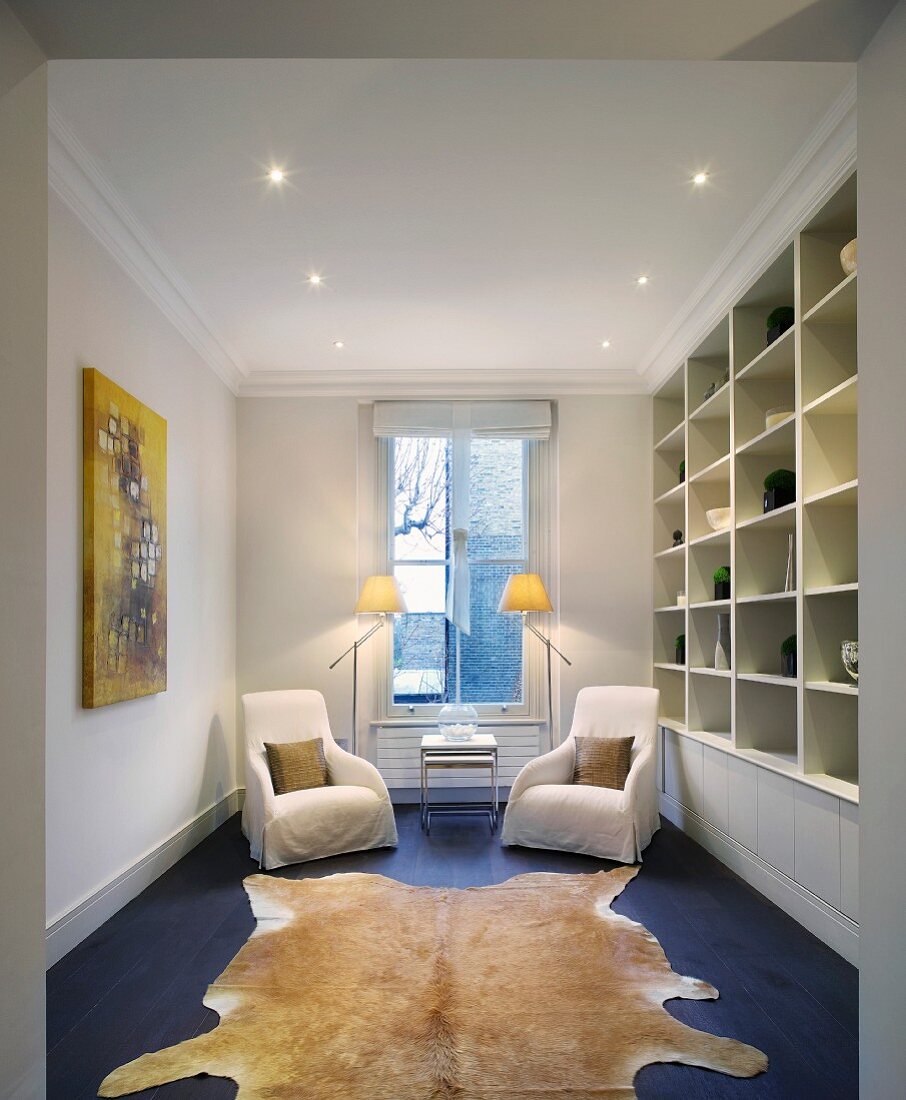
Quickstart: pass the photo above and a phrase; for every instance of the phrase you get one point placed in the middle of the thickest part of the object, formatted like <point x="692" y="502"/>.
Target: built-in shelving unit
<point x="711" y="415"/>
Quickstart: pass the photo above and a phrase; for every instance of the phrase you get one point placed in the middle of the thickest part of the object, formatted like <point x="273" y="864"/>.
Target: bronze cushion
<point x="297" y="765"/>
<point x="603" y="761"/>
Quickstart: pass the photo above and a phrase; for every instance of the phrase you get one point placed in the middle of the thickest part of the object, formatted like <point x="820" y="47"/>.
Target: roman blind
<point x="487" y="419"/>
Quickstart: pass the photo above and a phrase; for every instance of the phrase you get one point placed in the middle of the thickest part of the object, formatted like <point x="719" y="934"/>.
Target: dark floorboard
<point x="137" y="983"/>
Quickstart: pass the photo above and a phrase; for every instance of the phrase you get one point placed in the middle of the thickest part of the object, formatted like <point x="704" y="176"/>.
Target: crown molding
<point x="375" y="384"/>
<point x="78" y="180"/>
<point x="817" y="170"/>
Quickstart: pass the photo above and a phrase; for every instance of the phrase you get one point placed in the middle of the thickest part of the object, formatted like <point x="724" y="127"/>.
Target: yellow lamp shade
<point x="525" y="592"/>
<point x="380" y="595"/>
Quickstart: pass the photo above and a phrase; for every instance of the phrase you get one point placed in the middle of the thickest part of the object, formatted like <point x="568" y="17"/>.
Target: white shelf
<point x="717" y="407"/>
<point x="674" y="440"/>
<point x="832" y="589"/>
<point x="839" y="496"/>
<point x="678" y="725"/>
<point x="780" y="518"/>
<point x="724" y="673"/>
<point x="768" y="597"/>
<point x="713" y="538"/>
<point x="835" y="686"/>
<point x="666" y="666"/>
<point x="670" y="551"/>
<point x="845" y="787"/>
<point x="778" y="360"/>
<point x="786" y="763"/>
<point x="838" y="307"/>
<point x="716" y="471"/>
<point x="714" y="605"/>
<point x="672" y="607"/>
<point x="779" y="440"/>
<point x="767" y="678"/>
<point x="842" y="400"/>
<point x="671" y="494"/>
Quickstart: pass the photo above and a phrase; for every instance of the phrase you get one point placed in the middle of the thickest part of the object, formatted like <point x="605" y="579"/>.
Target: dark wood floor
<point x="137" y="983"/>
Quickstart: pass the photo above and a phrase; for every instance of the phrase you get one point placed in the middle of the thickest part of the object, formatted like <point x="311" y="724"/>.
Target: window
<point x="421" y="492"/>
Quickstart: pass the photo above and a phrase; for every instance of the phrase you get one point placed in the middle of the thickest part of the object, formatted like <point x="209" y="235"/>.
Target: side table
<point x="439" y="754"/>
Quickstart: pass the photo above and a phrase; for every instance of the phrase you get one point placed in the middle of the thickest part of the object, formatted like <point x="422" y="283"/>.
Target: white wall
<point x="122" y="779"/>
<point x="298" y="504"/>
<point x="23" y="311"/>
<point x="882" y="536"/>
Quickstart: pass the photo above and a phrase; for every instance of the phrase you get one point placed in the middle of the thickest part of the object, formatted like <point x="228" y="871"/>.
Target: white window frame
<point x="540" y="507"/>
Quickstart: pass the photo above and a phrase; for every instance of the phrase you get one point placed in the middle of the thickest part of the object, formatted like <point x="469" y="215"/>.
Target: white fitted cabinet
<point x="776" y="821"/>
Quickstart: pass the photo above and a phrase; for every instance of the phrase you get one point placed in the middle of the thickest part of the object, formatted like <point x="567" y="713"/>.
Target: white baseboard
<point x="73" y="927"/>
<point x="821" y="919"/>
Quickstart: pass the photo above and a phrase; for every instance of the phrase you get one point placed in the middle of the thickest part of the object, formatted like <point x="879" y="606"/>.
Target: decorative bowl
<point x="849" y="257"/>
<point x="458" y="722"/>
<point x="719" y="519"/>
<point x="849" y="651"/>
<point x="777" y="415"/>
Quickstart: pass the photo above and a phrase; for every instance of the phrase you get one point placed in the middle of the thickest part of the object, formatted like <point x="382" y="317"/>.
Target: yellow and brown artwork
<point x="124" y="617"/>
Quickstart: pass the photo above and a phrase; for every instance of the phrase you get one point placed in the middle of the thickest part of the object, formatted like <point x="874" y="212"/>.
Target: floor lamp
<point x="525" y="592"/>
<point x="380" y="596"/>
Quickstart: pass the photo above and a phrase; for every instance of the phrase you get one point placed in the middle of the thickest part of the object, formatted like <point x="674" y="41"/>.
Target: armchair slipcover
<point x="547" y="810"/>
<point x="350" y="814"/>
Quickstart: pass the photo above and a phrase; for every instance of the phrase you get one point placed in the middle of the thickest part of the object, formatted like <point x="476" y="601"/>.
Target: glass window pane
<point x="491" y="656"/>
<point x="421" y="498"/>
<point x="419" y="659"/>
<point x="424" y="588"/>
<point x="496" y="525"/>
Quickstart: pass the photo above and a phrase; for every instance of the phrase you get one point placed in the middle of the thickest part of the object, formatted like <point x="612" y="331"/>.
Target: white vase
<point x="722" y="654"/>
<point x="848" y="256"/>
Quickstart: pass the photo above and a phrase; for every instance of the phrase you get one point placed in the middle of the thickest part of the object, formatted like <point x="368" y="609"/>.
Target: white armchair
<point x="547" y="810"/>
<point x="350" y="814"/>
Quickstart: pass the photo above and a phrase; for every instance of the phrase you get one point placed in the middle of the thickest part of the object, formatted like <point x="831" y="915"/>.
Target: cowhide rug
<point x="356" y="987"/>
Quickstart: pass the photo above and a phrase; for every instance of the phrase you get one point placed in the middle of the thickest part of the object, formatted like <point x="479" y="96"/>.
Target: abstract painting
<point x="124" y="602"/>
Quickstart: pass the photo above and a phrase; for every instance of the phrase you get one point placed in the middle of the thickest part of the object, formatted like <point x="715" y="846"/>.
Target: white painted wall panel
<point x="742" y="783"/>
<point x="776" y="821"/>
<point x="817" y="856"/>
<point x="849" y="859"/>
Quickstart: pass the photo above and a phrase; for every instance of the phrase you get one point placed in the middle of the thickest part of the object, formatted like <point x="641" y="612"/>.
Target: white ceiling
<point x="463" y="214"/>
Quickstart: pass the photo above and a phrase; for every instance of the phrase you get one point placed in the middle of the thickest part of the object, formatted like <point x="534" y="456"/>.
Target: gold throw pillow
<point x="297" y="766"/>
<point x="603" y="761"/>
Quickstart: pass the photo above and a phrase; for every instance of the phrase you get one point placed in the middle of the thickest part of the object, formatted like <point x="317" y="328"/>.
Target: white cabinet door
<point x="849" y="859"/>
<point x="672" y="769"/>
<point x="818" y="843"/>
<point x="742" y="780"/>
<point x="683" y="770"/>
<point x="714" y="789"/>
<point x="776" y="817"/>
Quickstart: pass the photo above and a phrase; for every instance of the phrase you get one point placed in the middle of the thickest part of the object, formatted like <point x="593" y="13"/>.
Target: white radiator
<point x="398" y="754"/>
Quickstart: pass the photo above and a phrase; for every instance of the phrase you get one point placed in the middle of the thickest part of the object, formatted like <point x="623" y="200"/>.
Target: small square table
<point x="439" y="754"/>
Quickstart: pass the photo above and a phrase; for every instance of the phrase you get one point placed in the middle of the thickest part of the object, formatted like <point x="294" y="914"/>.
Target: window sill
<point x="483" y="720"/>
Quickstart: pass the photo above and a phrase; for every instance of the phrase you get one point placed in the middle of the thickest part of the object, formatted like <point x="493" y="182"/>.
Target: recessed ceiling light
<point x="642" y="280"/>
<point x="315" y="280"/>
<point x="605" y="344"/>
<point x="276" y="175"/>
<point x="699" y="178"/>
<point x="338" y="344"/>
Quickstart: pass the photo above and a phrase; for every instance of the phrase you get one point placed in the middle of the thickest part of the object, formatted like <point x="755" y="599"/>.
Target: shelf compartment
<point x="831" y="735"/>
<point x="827" y="622"/>
<point x="830" y="541"/>
<point x="838" y="306"/>
<point x="766" y="720"/>
<point x="674" y="441"/>
<point x="751" y="470"/>
<point x="776" y="362"/>
<point x="710" y="707"/>
<point x="780" y="519"/>
<point x="715" y="407"/>
<point x="829" y="358"/>
<point x="666" y="629"/>
<point x="761" y="560"/>
<point x="676" y="493"/>
<point x="829" y="448"/>
<point x="709" y="442"/>
<point x="760" y="630"/>
<point x="669" y="516"/>
<point x="672" y="686"/>
<point x="665" y="471"/>
<point x="780" y="440"/>
<point x="845" y="495"/>
<point x="701" y="641"/>
<point x="669" y="579"/>
<point x="774" y="288"/>
<point x="670" y="404"/>
<point x="703" y="496"/>
<point x="833" y="226"/>
<point x="708" y="364"/>
<point x="719" y="470"/>
<point x="704" y="558"/>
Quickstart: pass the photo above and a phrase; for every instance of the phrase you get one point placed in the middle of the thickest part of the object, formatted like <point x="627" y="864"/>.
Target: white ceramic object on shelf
<point x="777" y="415"/>
<point x="719" y="518"/>
<point x="849" y="257"/>
<point x="681" y="599"/>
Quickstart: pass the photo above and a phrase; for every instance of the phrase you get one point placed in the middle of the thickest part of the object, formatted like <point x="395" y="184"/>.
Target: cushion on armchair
<point x="603" y="761"/>
<point x="297" y="766"/>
